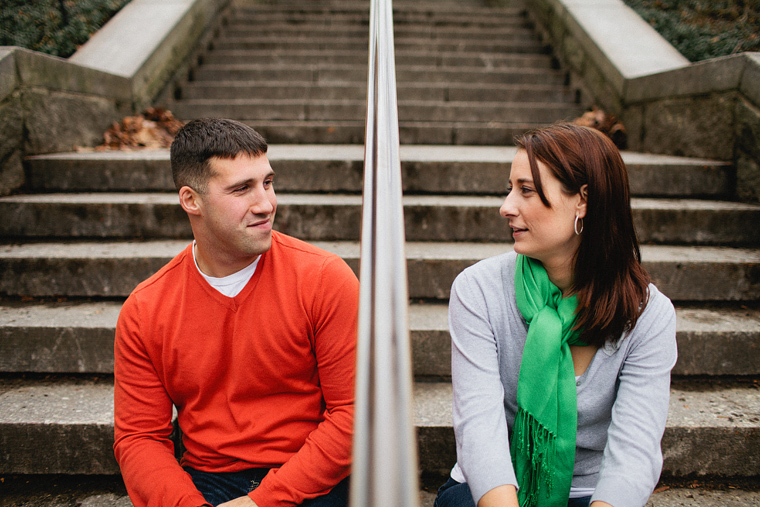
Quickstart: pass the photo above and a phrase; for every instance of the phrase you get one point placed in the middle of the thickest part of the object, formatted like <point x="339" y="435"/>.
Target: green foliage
<point x="702" y="29"/>
<point x="55" y="27"/>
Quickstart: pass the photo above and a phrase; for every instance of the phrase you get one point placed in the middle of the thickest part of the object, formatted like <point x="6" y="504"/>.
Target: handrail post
<point x="385" y="470"/>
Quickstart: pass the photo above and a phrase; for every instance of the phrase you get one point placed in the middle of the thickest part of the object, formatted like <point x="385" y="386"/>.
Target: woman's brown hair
<point x="609" y="281"/>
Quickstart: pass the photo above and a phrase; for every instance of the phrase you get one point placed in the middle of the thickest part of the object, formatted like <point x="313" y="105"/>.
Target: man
<point x="249" y="333"/>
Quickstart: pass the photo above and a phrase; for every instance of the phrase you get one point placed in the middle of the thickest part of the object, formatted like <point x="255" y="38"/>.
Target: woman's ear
<point x="189" y="199"/>
<point x="582" y="202"/>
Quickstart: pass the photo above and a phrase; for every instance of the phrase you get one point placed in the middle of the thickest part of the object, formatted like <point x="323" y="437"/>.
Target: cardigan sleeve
<point x="632" y="459"/>
<point x="143" y="413"/>
<point x="480" y="423"/>
<point x="325" y="458"/>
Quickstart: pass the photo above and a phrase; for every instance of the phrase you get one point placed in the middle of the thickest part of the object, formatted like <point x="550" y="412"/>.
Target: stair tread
<point x="350" y="249"/>
<point x="85" y="401"/>
<point x="427" y="316"/>
<point x="422" y="153"/>
<point x="284" y="198"/>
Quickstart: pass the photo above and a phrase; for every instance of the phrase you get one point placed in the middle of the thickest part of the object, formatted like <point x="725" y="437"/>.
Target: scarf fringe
<point x="535" y="446"/>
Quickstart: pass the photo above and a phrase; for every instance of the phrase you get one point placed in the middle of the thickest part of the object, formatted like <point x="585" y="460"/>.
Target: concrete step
<point x="493" y="133"/>
<point x="77" y="337"/>
<point x="442" y="93"/>
<point x="469" y="170"/>
<point x="434" y="18"/>
<point x="404" y="44"/>
<point x="333" y="217"/>
<point x="98" y="491"/>
<point x="75" y="418"/>
<point x="402" y="31"/>
<point x="430" y="9"/>
<point x="726" y="416"/>
<point x="342" y="109"/>
<point x="113" y="269"/>
<point x="345" y="73"/>
<point x="359" y="56"/>
<point x="714" y="341"/>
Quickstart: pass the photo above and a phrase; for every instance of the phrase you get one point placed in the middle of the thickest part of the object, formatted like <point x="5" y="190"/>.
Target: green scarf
<point x="543" y="438"/>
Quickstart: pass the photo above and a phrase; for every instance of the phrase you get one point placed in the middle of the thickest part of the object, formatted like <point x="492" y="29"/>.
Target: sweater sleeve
<point x="143" y="412"/>
<point x="632" y="459"/>
<point x="480" y="423"/>
<point x="325" y="458"/>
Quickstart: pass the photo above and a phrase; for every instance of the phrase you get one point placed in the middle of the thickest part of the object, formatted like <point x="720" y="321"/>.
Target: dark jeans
<point x="456" y="494"/>
<point x="222" y="487"/>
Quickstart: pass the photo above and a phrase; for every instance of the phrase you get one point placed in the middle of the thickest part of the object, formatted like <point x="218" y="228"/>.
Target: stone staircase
<point x="93" y="225"/>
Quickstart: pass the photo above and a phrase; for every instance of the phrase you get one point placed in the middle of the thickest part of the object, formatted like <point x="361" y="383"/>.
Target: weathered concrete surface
<point x="57" y="337"/>
<point x="672" y="497"/>
<point x="67" y="103"/>
<point x="721" y="341"/>
<point x="73" y="337"/>
<point x="704" y="126"/>
<point x="748" y="148"/>
<point x="334" y="217"/>
<point x="667" y="104"/>
<point x="170" y="31"/>
<point x="113" y="269"/>
<point x="728" y="418"/>
<point x="61" y="121"/>
<point x="470" y="170"/>
<point x="98" y="493"/>
<point x="57" y="428"/>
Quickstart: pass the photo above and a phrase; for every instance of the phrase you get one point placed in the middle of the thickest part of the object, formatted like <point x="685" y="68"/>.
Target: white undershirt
<point x="229" y="285"/>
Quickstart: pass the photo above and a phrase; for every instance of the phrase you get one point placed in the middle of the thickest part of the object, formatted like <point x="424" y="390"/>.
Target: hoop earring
<point x="575" y="225"/>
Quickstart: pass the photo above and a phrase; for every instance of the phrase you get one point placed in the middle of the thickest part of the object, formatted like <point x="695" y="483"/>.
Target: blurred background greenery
<point x="699" y="29"/>
<point x="702" y="29"/>
<point x="55" y="27"/>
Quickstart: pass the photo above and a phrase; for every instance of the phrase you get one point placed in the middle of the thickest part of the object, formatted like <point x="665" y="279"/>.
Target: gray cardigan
<point x="623" y="396"/>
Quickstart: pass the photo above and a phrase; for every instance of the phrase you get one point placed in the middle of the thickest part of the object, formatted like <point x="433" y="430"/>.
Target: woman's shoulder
<point x="658" y="304"/>
<point x="490" y="270"/>
<point x="657" y="323"/>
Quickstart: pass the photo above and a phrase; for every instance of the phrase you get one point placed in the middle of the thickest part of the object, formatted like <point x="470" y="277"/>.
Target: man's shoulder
<point x="305" y="259"/>
<point x="295" y="247"/>
<point x="166" y="275"/>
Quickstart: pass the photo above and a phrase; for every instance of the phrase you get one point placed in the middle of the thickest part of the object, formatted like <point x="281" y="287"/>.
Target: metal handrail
<point x="384" y="471"/>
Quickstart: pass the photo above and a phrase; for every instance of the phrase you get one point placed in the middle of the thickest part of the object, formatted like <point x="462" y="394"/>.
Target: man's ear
<point x="582" y="202"/>
<point x="189" y="199"/>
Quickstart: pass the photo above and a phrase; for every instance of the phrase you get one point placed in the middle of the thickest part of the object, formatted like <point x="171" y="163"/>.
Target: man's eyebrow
<point x="249" y="181"/>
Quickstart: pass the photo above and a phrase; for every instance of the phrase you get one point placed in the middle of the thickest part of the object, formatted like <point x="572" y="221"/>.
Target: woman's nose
<point x="507" y="209"/>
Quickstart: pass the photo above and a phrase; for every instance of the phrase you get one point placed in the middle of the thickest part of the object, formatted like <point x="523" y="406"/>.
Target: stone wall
<point x="50" y="104"/>
<point x="708" y="109"/>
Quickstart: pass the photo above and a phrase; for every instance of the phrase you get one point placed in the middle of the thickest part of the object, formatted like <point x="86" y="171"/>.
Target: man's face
<point x="238" y="209"/>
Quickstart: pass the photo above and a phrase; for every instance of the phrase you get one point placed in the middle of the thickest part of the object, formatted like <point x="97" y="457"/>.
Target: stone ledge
<point x="169" y="31"/>
<point x="667" y="104"/>
<point x="727" y="74"/>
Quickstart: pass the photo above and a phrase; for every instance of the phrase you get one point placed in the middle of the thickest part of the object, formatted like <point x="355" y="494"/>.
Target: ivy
<point x="703" y="29"/>
<point x="55" y="27"/>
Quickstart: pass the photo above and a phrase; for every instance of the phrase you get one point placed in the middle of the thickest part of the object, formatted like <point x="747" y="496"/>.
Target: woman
<point x="562" y="349"/>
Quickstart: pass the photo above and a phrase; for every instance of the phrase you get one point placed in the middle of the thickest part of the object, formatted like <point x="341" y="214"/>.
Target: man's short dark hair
<point x="200" y="140"/>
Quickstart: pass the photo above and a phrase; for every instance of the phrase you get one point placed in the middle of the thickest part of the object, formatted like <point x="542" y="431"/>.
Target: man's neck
<point x="216" y="268"/>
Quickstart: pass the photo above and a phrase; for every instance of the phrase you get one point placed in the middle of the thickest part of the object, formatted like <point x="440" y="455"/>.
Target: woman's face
<point x="542" y="233"/>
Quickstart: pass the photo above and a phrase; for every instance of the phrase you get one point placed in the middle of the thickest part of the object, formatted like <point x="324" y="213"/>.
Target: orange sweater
<point x="264" y="379"/>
